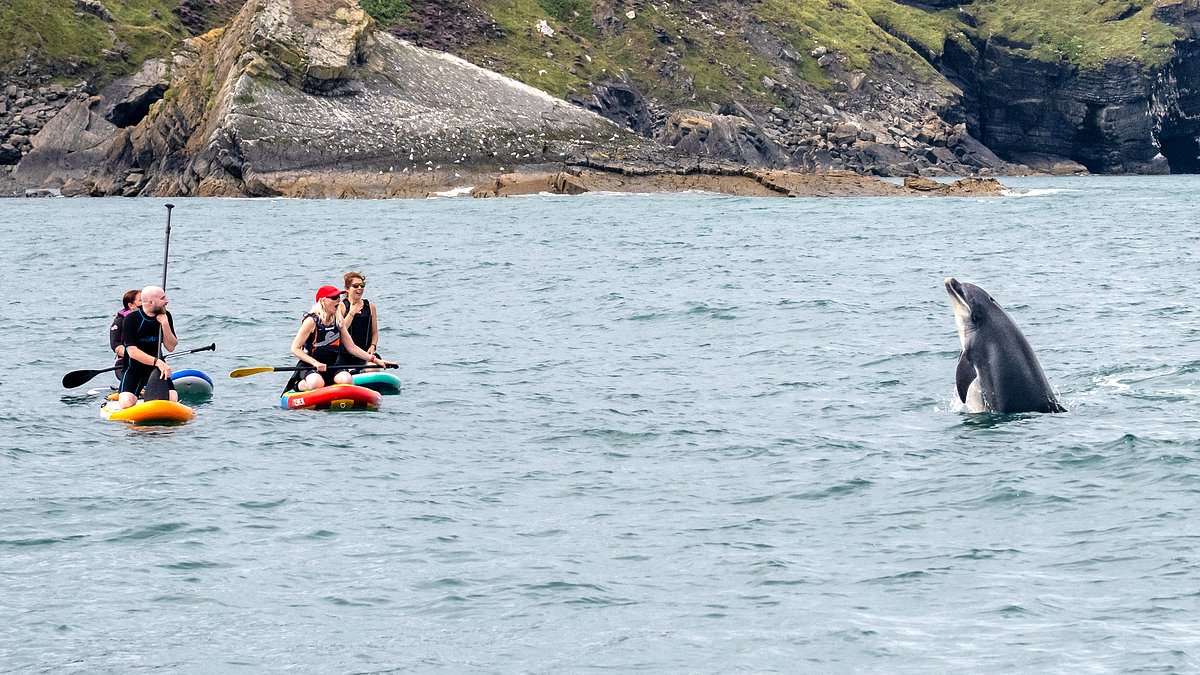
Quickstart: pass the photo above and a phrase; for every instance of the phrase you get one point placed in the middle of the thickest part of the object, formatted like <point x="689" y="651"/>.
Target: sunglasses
<point x="362" y="285"/>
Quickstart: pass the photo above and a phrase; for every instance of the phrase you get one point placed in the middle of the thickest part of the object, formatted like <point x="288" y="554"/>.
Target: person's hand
<point x="371" y="351"/>
<point x="163" y="368"/>
<point x="319" y="366"/>
<point x="162" y="318"/>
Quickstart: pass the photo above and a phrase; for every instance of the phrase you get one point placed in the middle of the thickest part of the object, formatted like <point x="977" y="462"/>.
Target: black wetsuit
<point x="360" y="332"/>
<point x="324" y="345"/>
<point x="141" y="331"/>
<point x="116" y="338"/>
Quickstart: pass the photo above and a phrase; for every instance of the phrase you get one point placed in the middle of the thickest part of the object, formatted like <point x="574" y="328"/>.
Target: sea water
<point x="666" y="433"/>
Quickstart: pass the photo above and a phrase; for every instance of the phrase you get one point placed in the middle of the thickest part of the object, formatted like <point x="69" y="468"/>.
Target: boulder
<point x="727" y="138"/>
<point x="620" y="101"/>
<point x="72" y="143"/>
<point x="1051" y="164"/>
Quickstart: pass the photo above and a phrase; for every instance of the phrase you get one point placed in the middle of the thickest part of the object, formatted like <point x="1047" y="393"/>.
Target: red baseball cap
<point x="328" y="292"/>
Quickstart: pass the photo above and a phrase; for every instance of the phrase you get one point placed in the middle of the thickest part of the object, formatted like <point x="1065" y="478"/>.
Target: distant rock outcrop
<point x="304" y="98"/>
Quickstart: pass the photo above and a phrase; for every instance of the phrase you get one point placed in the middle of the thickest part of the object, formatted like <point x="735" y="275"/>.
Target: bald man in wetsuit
<point x="141" y="339"/>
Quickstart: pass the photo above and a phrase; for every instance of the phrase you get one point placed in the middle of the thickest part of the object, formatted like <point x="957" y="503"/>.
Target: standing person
<point x="141" y="330"/>
<point x="320" y="340"/>
<point x="361" y="316"/>
<point x="116" y="338"/>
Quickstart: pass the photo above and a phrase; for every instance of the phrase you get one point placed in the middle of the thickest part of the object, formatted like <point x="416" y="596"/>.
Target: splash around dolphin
<point x="997" y="370"/>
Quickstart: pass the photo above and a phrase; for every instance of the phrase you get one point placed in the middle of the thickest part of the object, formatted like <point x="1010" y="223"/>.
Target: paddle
<point x="77" y="377"/>
<point x="243" y="372"/>
<point x="155" y="389"/>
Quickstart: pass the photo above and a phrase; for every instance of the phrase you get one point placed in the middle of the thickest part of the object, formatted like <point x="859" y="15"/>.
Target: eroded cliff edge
<point x="304" y="98"/>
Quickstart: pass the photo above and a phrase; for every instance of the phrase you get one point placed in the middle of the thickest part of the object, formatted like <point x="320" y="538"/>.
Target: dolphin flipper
<point x="964" y="375"/>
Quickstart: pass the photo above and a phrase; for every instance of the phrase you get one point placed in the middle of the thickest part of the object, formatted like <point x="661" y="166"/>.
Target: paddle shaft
<point x="166" y="257"/>
<point x="244" y="372"/>
<point x="77" y="377"/>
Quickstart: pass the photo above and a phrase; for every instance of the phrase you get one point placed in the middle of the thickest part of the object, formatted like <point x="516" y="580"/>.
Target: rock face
<point x="728" y="138"/>
<point x="309" y="98"/>
<point x="81" y="137"/>
<point x="304" y="98"/>
<point x="1097" y="118"/>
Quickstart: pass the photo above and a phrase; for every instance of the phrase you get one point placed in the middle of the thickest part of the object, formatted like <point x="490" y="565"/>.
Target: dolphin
<point x="997" y="370"/>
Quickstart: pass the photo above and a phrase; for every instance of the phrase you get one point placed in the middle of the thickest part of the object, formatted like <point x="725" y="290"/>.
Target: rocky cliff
<point x="316" y="97"/>
<point x="304" y="98"/>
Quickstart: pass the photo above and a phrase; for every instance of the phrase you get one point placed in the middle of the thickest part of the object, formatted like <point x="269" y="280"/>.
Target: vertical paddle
<point x="156" y="383"/>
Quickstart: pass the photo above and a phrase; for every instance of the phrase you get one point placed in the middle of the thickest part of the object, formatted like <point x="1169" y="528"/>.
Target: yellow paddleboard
<point x="161" y="412"/>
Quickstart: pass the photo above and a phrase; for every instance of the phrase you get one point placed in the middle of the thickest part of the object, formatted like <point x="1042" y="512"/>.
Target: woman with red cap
<point x="320" y="340"/>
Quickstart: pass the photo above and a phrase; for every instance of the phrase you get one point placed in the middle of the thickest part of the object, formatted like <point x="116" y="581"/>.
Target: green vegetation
<point x="925" y="29"/>
<point x="83" y="46"/>
<point x="838" y="25"/>
<point x="683" y="53"/>
<point x="671" y="55"/>
<point x="1083" y="32"/>
<point x="386" y="12"/>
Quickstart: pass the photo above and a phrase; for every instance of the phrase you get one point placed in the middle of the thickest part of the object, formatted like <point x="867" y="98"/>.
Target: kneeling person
<point x="143" y="368"/>
<point x="319" y="342"/>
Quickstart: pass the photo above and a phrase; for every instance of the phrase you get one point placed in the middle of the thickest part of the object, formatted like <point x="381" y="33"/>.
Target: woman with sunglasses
<point x="360" y="317"/>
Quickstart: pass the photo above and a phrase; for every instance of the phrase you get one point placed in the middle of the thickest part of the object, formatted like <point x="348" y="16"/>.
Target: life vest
<point x="326" y="336"/>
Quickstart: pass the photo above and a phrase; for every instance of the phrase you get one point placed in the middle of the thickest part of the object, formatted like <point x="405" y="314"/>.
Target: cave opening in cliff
<point x="1182" y="152"/>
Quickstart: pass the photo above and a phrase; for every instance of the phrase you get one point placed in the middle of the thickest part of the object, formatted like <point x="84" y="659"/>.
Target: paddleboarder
<point x="141" y="341"/>
<point x="362" y="317"/>
<point x="319" y="341"/>
<point x="116" y="337"/>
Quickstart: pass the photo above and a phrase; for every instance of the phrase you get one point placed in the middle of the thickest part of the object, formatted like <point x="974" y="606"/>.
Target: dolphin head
<point x="971" y="304"/>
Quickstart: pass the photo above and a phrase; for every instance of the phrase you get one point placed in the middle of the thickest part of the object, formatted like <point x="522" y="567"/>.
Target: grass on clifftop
<point x="1084" y="32"/>
<point x="83" y="46"/>
<point x="678" y="52"/>
<point x="928" y="30"/>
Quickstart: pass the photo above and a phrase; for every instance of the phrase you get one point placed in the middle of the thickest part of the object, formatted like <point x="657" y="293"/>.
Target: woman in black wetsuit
<point x="320" y="341"/>
<point x="361" y="317"/>
<point x="130" y="303"/>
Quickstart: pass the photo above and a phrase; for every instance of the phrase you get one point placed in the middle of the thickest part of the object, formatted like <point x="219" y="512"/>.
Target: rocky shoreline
<point x="298" y="101"/>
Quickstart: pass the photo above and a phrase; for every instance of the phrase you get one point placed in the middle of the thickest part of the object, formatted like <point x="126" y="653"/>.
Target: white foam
<point x="1033" y="192"/>
<point x="456" y="192"/>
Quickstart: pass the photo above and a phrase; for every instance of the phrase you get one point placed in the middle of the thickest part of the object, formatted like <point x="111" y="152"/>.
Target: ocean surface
<point x="665" y="434"/>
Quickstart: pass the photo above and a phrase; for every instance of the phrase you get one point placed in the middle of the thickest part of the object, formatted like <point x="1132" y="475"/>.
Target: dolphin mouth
<point x="959" y="305"/>
<point x="954" y="288"/>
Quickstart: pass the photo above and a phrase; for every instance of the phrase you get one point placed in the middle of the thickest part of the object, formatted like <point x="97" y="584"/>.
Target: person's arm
<point x="374" y="330"/>
<point x="115" y="336"/>
<point x="149" y="359"/>
<point x="306" y="328"/>
<point x="169" y="341"/>
<point x="349" y="346"/>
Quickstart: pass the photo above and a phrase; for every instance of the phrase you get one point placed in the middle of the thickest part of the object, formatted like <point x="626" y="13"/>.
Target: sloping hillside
<point x="876" y="86"/>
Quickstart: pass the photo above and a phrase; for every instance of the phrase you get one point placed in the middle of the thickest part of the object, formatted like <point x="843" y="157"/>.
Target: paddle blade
<point x="243" y="372"/>
<point x="77" y="377"/>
